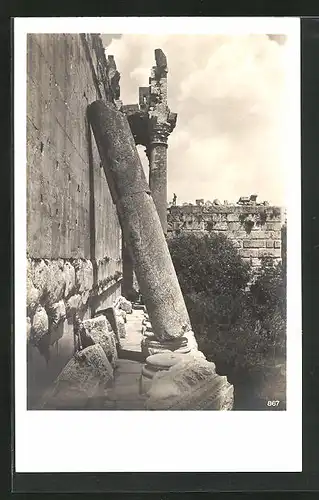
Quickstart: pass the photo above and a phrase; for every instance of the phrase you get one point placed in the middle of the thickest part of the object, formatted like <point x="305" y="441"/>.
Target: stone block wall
<point x="254" y="229"/>
<point x="73" y="234"/>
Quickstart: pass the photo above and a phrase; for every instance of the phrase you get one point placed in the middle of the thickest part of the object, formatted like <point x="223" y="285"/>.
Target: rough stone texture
<point x="120" y="323"/>
<point x="69" y="274"/>
<point x="39" y="275"/>
<point x="124" y="304"/>
<point x="83" y="275"/>
<point x="70" y="211"/>
<point x="33" y="296"/>
<point x="191" y="384"/>
<point x="140" y="222"/>
<point x="254" y="229"/>
<point x="97" y="332"/>
<point x="150" y="345"/>
<point x="55" y="281"/>
<point x="72" y="305"/>
<point x="40" y="325"/>
<point x="80" y="380"/>
<point x="57" y="312"/>
<point x="65" y="73"/>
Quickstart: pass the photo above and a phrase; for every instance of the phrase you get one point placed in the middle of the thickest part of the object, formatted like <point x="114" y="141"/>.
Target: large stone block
<point x="83" y="275"/>
<point x="40" y="325"/>
<point x="254" y="243"/>
<point x="69" y="274"/>
<point x="191" y="384"/>
<point x="99" y="331"/>
<point x="124" y="304"/>
<point x="55" y="281"/>
<point x="249" y="253"/>
<point x="83" y="377"/>
<point x="233" y="217"/>
<point x="40" y="273"/>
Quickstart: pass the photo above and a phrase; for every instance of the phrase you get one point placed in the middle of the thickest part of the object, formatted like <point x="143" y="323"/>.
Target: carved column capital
<point x="159" y="133"/>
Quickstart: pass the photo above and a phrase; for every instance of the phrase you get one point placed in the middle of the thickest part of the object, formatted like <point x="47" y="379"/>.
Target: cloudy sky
<point x="228" y="93"/>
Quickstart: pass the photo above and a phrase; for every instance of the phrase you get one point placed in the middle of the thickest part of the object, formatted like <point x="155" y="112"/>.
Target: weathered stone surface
<point x="55" y="281"/>
<point x="40" y="325"/>
<point x="150" y="345"/>
<point x="83" y="275"/>
<point x="57" y="312"/>
<point x="124" y="304"/>
<point x="97" y="332"/>
<point x="191" y="384"/>
<point x="80" y="380"/>
<point x="120" y="324"/>
<point x="40" y="275"/>
<point x="69" y="275"/>
<point x="191" y="341"/>
<point x="33" y="297"/>
<point x="72" y="305"/>
<point x="140" y="222"/>
<point x="121" y="312"/>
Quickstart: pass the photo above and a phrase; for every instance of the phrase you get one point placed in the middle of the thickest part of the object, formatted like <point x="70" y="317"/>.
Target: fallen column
<point x="140" y="222"/>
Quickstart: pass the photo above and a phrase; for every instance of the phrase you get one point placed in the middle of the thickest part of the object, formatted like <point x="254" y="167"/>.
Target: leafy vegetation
<point x="239" y="325"/>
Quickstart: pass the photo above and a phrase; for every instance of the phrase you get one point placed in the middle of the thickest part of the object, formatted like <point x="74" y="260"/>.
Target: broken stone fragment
<point x="40" y="325"/>
<point x="124" y="304"/>
<point x="83" y="275"/>
<point x="82" y="378"/>
<point x="57" y="312"/>
<point x="120" y="323"/>
<point x="97" y="332"/>
<point x="69" y="275"/>
<point x="72" y="305"/>
<point x="191" y="384"/>
<point x="121" y="312"/>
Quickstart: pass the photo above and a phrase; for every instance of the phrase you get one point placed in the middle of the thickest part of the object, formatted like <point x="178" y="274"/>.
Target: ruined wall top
<point x="151" y="119"/>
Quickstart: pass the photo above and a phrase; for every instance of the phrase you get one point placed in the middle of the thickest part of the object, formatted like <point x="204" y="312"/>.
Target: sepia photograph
<point x="157" y="214"/>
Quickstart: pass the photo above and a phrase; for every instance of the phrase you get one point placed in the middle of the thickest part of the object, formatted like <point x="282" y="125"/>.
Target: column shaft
<point x="139" y="221"/>
<point x="158" y="180"/>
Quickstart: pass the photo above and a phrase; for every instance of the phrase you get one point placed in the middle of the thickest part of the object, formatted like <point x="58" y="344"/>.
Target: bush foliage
<point x="239" y="321"/>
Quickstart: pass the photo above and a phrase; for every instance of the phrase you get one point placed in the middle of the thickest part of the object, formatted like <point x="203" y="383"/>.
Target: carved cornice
<point x="159" y="132"/>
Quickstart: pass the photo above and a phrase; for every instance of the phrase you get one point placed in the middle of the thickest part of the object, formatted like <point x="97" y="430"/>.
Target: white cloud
<point x="228" y="93"/>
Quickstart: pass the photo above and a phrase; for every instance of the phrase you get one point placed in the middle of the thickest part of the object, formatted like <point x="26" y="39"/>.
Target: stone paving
<point x="124" y="395"/>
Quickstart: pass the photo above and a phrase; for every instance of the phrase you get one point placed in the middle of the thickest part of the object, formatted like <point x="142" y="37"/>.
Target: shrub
<point x="242" y="330"/>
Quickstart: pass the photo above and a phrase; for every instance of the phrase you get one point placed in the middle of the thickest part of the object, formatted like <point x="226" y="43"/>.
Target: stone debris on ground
<point x="166" y="380"/>
<point x="191" y="384"/>
<point x="99" y="331"/>
<point x="82" y="378"/>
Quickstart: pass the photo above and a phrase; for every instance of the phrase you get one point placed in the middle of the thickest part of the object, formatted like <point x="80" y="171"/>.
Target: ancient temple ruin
<point x="86" y="182"/>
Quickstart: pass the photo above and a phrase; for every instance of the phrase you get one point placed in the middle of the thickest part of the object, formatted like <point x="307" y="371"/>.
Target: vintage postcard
<point x="158" y="268"/>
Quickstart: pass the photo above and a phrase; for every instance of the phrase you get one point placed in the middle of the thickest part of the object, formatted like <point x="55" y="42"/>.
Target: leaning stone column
<point x="140" y="222"/>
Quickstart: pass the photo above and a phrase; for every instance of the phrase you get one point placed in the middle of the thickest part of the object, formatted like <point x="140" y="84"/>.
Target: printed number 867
<point x="272" y="403"/>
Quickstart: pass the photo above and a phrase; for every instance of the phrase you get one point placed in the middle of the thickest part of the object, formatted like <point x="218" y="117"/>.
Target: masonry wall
<point x="73" y="234"/>
<point x="254" y="229"/>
